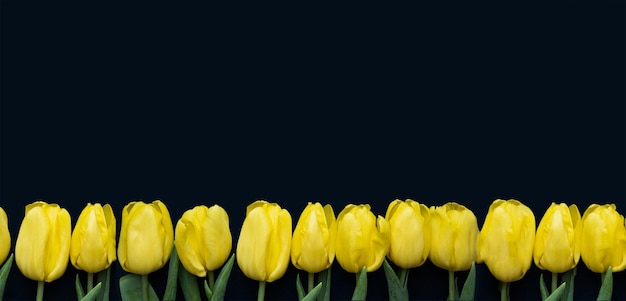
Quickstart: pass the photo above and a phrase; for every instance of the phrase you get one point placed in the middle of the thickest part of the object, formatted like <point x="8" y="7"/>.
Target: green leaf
<point x="360" y="290"/>
<point x="219" y="291"/>
<point x="130" y="288"/>
<point x="469" y="287"/>
<point x="4" y="274"/>
<point x="324" y="278"/>
<point x="189" y="285"/>
<point x="568" y="279"/>
<point x="80" y="293"/>
<point x="556" y="295"/>
<point x="172" y="277"/>
<point x="207" y="290"/>
<point x="93" y="293"/>
<point x="606" y="290"/>
<point x="312" y="295"/>
<point x="542" y="288"/>
<point x="104" y="277"/>
<point x="299" y="288"/>
<point x="397" y="291"/>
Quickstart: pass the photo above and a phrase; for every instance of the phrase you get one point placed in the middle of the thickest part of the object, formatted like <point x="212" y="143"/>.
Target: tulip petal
<point x="58" y="249"/>
<point x="5" y="236"/>
<point x="251" y="246"/>
<point x="87" y="249"/>
<point x="315" y="254"/>
<point x="167" y="227"/>
<point x="111" y="226"/>
<point x="216" y="237"/>
<point x="31" y="242"/>
<point x="380" y="244"/>
<point x="186" y="247"/>
<point x="143" y="252"/>
<point x="280" y="246"/>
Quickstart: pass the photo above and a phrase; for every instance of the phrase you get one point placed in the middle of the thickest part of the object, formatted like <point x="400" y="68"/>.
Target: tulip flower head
<point x="203" y="239"/>
<point x="555" y="247"/>
<point x="263" y="248"/>
<point x="602" y="238"/>
<point x="505" y="243"/>
<point x="5" y="236"/>
<point x="362" y="239"/>
<point x="453" y="232"/>
<point x="410" y="233"/>
<point x="43" y="243"/>
<point x="92" y="247"/>
<point x="313" y="244"/>
<point x="146" y="237"/>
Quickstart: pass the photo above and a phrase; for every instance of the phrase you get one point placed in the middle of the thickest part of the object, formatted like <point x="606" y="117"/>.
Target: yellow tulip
<point x="410" y="233"/>
<point x="5" y="236"/>
<point x="92" y="248"/>
<point x="505" y="243"/>
<point x="555" y="248"/>
<point x="146" y="238"/>
<point x="264" y="243"/>
<point x="453" y="232"/>
<point x="203" y="239"/>
<point x="602" y="238"/>
<point x="42" y="248"/>
<point x="313" y="245"/>
<point x="362" y="239"/>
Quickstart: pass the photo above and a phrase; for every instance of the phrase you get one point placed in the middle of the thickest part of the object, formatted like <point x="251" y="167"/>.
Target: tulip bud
<point x="602" y="238"/>
<point x="92" y="247"/>
<point x="453" y="232"/>
<point x="5" y="236"/>
<point x="362" y="239"/>
<point x="43" y="242"/>
<point x="203" y="239"/>
<point x="264" y="243"/>
<point x="506" y="240"/>
<point x="410" y="233"/>
<point x="313" y="245"/>
<point x="555" y="248"/>
<point x="146" y="238"/>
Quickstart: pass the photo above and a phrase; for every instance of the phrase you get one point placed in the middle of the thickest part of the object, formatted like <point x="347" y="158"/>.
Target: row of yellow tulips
<point x="408" y="235"/>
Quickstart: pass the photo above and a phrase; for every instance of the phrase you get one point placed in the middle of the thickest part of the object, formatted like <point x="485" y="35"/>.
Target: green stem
<point x="602" y="277"/>
<point x="211" y="280"/>
<point x="89" y="282"/>
<point x="504" y="291"/>
<point x="39" y="291"/>
<point x="403" y="273"/>
<point x="451" y="288"/>
<point x="555" y="281"/>
<point x="311" y="281"/>
<point x="261" y="294"/>
<point x="144" y="288"/>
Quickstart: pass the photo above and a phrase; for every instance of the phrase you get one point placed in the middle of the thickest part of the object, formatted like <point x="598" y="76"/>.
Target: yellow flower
<point x="92" y="247"/>
<point x="146" y="238"/>
<point x="362" y="239"/>
<point x="42" y="248"/>
<point x="506" y="240"/>
<point x="313" y="245"/>
<point x="556" y="249"/>
<point x="264" y="243"/>
<point x="203" y="239"/>
<point x="453" y="232"/>
<point x="410" y="233"/>
<point x="602" y="238"/>
<point x="5" y="236"/>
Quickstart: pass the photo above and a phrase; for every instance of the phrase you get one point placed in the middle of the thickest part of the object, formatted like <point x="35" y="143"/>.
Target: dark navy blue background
<point x="339" y="105"/>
